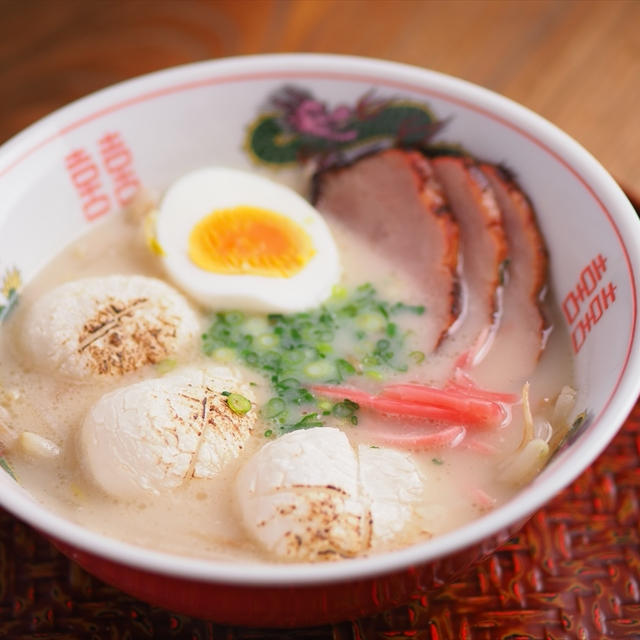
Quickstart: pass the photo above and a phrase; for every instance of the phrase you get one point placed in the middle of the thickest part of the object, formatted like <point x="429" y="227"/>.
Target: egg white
<point x="197" y="194"/>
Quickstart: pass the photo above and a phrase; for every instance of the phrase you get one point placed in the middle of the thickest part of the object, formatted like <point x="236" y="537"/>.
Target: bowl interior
<point x="80" y="164"/>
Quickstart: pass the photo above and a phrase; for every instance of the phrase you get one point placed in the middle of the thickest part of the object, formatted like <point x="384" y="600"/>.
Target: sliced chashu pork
<point x="483" y="250"/>
<point x="522" y="327"/>
<point x="391" y="199"/>
<point x="157" y="434"/>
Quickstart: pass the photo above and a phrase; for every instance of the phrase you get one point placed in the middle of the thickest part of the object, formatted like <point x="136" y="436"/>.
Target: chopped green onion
<point x="324" y="348"/>
<point x="273" y="408"/>
<point x="256" y="326"/>
<point x="289" y="383"/>
<point x="371" y="322"/>
<point x="233" y="317"/>
<point x="267" y="340"/>
<point x="355" y="332"/>
<point x="309" y="353"/>
<point x="293" y="357"/>
<point x="319" y="369"/>
<point x="349" y="311"/>
<point x="238" y="403"/>
<point x="366" y="288"/>
<point x="345" y="368"/>
<point x="166" y="365"/>
<point x="417" y="356"/>
<point x="344" y="409"/>
<point x="401" y="306"/>
<point x="309" y="421"/>
<point x="271" y="360"/>
<point x="224" y="355"/>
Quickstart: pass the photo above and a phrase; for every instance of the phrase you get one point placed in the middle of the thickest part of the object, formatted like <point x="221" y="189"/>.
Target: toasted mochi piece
<point x="522" y="325"/>
<point x="391" y="199"/>
<point x="107" y="326"/>
<point x="299" y="497"/>
<point x="307" y="496"/>
<point x="484" y="248"/>
<point x="156" y="434"/>
<point x="393" y="487"/>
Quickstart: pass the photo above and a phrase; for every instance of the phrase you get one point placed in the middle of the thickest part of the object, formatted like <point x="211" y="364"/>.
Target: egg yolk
<point x="247" y="240"/>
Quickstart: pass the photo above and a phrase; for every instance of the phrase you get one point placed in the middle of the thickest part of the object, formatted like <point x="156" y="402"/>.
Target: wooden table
<point x="575" y="569"/>
<point x="575" y="62"/>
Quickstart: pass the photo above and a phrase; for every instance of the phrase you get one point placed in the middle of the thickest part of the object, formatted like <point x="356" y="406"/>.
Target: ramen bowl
<point x="84" y="162"/>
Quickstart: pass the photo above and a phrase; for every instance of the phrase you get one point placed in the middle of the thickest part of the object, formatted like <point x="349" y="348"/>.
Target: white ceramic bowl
<point x="74" y="167"/>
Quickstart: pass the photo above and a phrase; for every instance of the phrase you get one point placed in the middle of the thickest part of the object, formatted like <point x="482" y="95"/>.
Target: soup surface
<point x="461" y="477"/>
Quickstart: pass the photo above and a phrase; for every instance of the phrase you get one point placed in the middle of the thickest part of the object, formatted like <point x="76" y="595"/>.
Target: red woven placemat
<point x="572" y="572"/>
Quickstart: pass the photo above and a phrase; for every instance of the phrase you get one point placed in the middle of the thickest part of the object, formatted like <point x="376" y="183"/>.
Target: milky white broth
<point x="200" y="518"/>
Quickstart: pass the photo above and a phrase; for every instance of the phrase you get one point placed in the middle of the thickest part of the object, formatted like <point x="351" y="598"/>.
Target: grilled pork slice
<point x="483" y="248"/>
<point x="392" y="200"/>
<point x="522" y="326"/>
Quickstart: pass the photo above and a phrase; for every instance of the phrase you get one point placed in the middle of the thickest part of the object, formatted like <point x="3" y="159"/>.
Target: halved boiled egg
<point x="237" y="240"/>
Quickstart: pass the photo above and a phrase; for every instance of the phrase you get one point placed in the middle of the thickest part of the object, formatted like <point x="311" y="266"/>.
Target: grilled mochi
<point x="309" y="496"/>
<point x="157" y="434"/>
<point x="105" y="327"/>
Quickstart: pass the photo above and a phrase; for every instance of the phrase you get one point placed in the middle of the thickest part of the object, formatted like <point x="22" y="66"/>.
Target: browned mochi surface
<point x="391" y="199"/>
<point x="107" y="326"/>
<point x="483" y="248"/>
<point x="119" y="337"/>
<point x="522" y="324"/>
